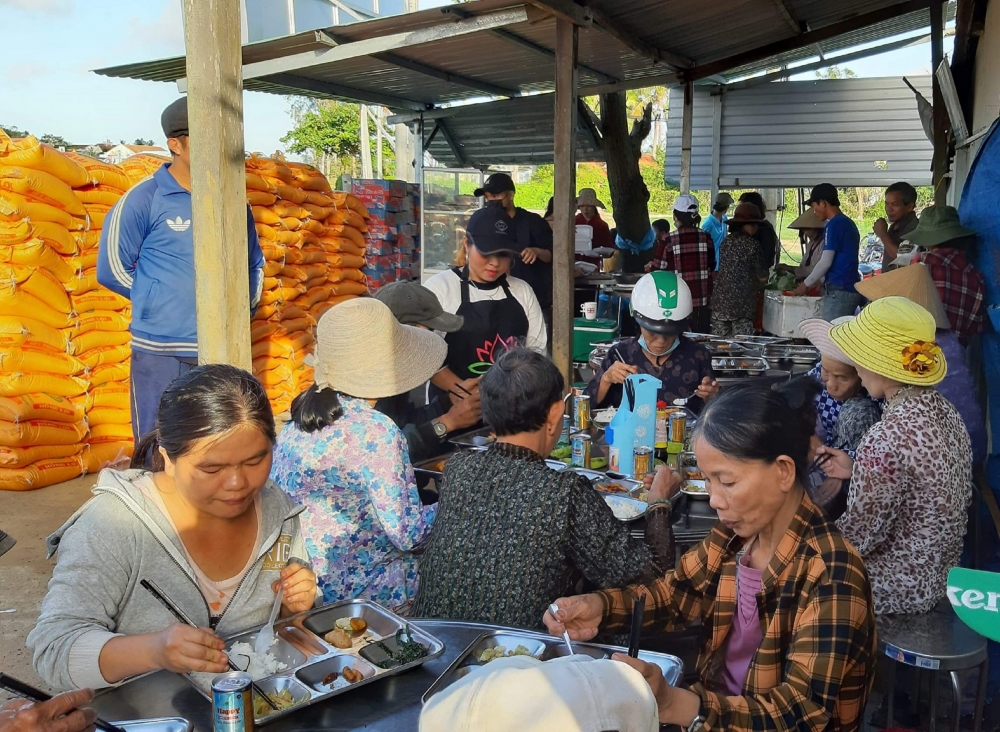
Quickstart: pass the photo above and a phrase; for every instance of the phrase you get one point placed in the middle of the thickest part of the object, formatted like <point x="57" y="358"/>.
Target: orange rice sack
<point x="38" y="282"/>
<point x="316" y="198"/>
<point x="292" y="313"/>
<point x="287" y="192"/>
<point x="271" y="348"/>
<point x="295" y="271"/>
<point x="36" y="360"/>
<point x="15" y="232"/>
<point x="308" y="177"/>
<point x="111" y="432"/>
<point x="289" y="238"/>
<point x="83" y="261"/>
<point x="271" y="167"/>
<point x="348" y="288"/>
<point x="102" y="173"/>
<point x="319" y="213"/>
<point x="306" y="255"/>
<point x="22" y="457"/>
<point x="35" y="253"/>
<point x="279" y="373"/>
<point x="301" y="339"/>
<point x="346" y="232"/>
<point x="265" y="311"/>
<point x="114" y="396"/>
<point x="260" y="198"/>
<point x="103" y="195"/>
<point x="266" y="232"/>
<point x="14" y="385"/>
<point x="273" y="252"/>
<point x="102" y="320"/>
<point x="141" y="166"/>
<point x="257" y="183"/>
<point x="263" y="215"/>
<point x="15" y="301"/>
<point x="86" y="240"/>
<point x="340" y="200"/>
<point x="104" y="355"/>
<point x="291" y="223"/>
<point x="41" y="432"/>
<point x="95" y="339"/>
<point x="39" y="406"/>
<point x="313" y="226"/>
<point x="14" y="207"/>
<point x="345" y="261"/>
<point x="269" y="298"/>
<point x="41" y="474"/>
<point x="272" y="269"/>
<point x="97" y="457"/>
<point x="334" y="275"/>
<point x="270" y="283"/>
<point x="318" y="295"/>
<point x="97" y="213"/>
<point x="109" y="374"/>
<point x="262" y="330"/>
<point x="348" y="217"/>
<point x="30" y="153"/>
<point x="340" y="245"/>
<point x="108" y="415"/>
<point x="287" y="208"/>
<point x="84" y="282"/>
<point x="101" y="300"/>
<point x="42" y="187"/>
<point x="57" y="237"/>
<point x="18" y="331"/>
<point x="265" y="363"/>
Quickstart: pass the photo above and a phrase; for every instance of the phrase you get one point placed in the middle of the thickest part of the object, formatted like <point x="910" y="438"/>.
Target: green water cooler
<point x="588" y="332"/>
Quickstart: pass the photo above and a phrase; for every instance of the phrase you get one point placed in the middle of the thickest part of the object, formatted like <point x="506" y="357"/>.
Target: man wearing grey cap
<point x="426" y="423"/>
<point x="147" y="255"/>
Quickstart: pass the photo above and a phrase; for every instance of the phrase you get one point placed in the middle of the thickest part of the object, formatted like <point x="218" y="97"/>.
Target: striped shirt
<point x="815" y="665"/>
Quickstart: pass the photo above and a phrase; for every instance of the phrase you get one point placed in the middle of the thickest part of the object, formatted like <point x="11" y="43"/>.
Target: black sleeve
<point x="541" y="234"/>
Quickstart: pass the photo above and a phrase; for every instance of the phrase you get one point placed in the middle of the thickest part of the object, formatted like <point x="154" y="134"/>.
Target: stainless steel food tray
<point x="162" y="724"/>
<point x="475" y="440"/>
<point x="310" y="659"/>
<point x="795" y="354"/>
<point x="740" y="363"/>
<point x="430" y="466"/>
<point x="544" y="647"/>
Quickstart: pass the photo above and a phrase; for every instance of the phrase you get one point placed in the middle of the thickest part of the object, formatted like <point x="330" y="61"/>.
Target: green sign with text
<point x="975" y="596"/>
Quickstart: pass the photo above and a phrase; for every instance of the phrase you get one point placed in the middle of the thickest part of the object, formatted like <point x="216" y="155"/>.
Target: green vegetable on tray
<point x="561" y="452"/>
<point x="407" y="651"/>
<point x="597" y="463"/>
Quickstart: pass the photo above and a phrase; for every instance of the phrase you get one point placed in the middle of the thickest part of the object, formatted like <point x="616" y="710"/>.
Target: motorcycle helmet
<point x="660" y="300"/>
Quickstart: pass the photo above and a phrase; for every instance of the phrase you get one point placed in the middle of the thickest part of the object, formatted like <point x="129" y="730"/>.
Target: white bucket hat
<point x="523" y="694"/>
<point x="588" y="197"/>
<point x="364" y="352"/>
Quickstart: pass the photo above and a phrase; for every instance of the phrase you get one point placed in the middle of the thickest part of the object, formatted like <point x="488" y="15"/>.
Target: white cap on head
<point x="686" y="204"/>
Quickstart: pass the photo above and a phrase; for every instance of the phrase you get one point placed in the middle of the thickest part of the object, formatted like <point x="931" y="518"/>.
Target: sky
<point x="51" y="47"/>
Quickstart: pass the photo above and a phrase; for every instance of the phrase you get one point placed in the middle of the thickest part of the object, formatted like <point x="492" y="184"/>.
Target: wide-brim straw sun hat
<point x="364" y="352"/>
<point x="938" y="225"/>
<point x="914" y="282"/>
<point x="894" y="337"/>
<point x="588" y="197"/>
<point x="808" y="220"/>
<point x="817" y="331"/>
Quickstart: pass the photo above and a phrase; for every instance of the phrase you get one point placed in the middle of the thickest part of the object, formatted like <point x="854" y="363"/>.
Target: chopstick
<point x="820" y="462"/>
<point x="457" y="395"/>
<point x="174" y="610"/>
<point x="463" y="389"/>
<point x="37" y="695"/>
<point x="638" y="608"/>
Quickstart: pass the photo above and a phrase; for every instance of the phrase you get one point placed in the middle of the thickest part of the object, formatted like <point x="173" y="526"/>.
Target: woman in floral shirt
<point x="735" y="295"/>
<point x="348" y="464"/>
<point x="911" y="480"/>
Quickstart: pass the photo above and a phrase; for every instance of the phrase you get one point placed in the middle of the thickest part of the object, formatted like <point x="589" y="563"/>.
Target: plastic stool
<point x="940" y="643"/>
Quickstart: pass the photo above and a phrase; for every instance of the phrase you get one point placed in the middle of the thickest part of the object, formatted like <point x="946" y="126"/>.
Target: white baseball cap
<point x="686" y="204"/>
<point x="523" y="694"/>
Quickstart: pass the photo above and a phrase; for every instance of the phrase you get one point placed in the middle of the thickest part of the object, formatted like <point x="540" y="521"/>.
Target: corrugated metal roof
<point x="849" y="132"/>
<point x="509" y="132"/>
<point x="700" y="31"/>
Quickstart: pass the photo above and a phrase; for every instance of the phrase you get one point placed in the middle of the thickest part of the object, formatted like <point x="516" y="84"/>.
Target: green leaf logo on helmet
<point x="662" y="296"/>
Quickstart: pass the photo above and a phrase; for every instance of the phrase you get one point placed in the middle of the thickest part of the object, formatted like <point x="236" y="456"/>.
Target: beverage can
<point x="614" y="459"/>
<point x="581" y="451"/>
<point x="678" y="427"/>
<point x="232" y="702"/>
<point x="642" y="462"/>
<point x="662" y="430"/>
<point x="582" y="412"/>
<point x="564" y="437"/>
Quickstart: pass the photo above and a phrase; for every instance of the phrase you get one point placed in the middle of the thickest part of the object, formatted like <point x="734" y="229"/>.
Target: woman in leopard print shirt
<point x="911" y="480"/>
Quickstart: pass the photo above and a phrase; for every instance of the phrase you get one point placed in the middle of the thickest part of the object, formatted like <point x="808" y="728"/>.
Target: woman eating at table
<point x="348" y="464"/>
<point x="205" y="525"/>
<point x="911" y="478"/>
<point x="526" y="531"/>
<point x="782" y="598"/>
<point x="500" y="312"/>
<point x="661" y="306"/>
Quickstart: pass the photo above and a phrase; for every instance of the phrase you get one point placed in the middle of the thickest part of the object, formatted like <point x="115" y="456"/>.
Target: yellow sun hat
<point x="894" y="337"/>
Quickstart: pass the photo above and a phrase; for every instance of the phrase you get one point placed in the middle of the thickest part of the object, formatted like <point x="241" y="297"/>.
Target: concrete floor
<point x="29" y="517"/>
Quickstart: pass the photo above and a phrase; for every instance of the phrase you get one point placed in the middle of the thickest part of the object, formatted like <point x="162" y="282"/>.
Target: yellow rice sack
<point x="108" y="415"/>
<point x="141" y="166"/>
<point x="41" y="474"/>
<point x="260" y="198"/>
<point x="41" y="432"/>
<point x="89" y="239"/>
<point x="38" y="282"/>
<point x="103" y="320"/>
<point x="100" y="300"/>
<point x="14" y="385"/>
<point x="34" y="253"/>
<point x="94" y="339"/>
<point x="110" y="373"/>
<point x="83" y="282"/>
<point x="17" y="331"/>
<point x="111" y="432"/>
<point x="56" y="237"/>
<point x="97" y="213"/>
<point x="31" y="153"/>
<point x="97" y="457"/>
<point x="102" y="173"/>
<point x="39" y="407"/>
<point x="110" y="396"/>
<point x="104" y="355"/>
<point x="103" y="195"/>
<point x="15" y="301"/>
<point x="22" y="457"/>
<point x="40" y="186"/>
<point x="32" y="360"/>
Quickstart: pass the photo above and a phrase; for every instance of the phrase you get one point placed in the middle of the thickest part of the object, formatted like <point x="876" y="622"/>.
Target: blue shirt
<point x="147" y="255"/>
<point x="844" y="240"/>
<point x="717" y="230"/>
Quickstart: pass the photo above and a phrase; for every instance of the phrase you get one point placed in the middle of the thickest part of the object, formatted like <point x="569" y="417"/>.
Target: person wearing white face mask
<point x="661" y="305"/>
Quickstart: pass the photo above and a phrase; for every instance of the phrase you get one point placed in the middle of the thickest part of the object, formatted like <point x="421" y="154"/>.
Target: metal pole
<point x="366" y="145"/>
<point x="418" y="150"/>
<point x="686" y="137"/>
<point x="378" y="142"/>
<point x="218" y="180"/>
<point x="717" y="142"/>
<point x="940" y="112"/>
<point x="564" y="208"/>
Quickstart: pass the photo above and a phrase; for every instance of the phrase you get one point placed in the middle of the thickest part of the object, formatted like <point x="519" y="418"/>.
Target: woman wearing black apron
<point x="499" y="311"/>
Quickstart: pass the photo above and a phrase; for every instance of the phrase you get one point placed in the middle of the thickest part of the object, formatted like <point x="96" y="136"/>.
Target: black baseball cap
<point x="491" y="231"/>
<point x="824" y="192"/>
<point x="174" y="119"/>
<point x="496" y="184"/>
<point x="414" y="304"/>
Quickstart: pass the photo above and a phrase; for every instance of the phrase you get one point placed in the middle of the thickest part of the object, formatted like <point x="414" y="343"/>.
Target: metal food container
<point x="433" y="466"/>
<point x="162" y="724"/>
<point x="310" y="660"/>
<point x="544" y="648"/>
<point x="744" y="364"/>
<point x="476" y="440"/>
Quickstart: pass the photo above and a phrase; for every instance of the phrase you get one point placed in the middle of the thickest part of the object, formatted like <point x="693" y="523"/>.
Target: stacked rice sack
<point x="60" y="333"/>
<point x="314" y="245"/>
<point x="141" y="166"/>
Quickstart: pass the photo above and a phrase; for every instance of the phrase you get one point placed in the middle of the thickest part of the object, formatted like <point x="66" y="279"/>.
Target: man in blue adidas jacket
<point x="147" y="255"/>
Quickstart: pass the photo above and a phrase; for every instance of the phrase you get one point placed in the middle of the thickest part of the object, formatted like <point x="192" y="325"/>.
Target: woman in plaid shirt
<point x="784" y="601"/>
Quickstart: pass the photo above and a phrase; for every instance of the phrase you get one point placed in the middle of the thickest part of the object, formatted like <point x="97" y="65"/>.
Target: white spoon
<point x="553" y="608"/>
<point x="265" y="638"/>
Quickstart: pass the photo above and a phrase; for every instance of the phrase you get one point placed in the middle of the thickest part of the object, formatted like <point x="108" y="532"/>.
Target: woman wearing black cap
<point x="499" y="311"/>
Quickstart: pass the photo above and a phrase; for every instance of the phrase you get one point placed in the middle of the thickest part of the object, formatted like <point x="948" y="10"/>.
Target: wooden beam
<point x="687" y="125"/>
<point x="564" y="202"/>
<point x="942" y="145"/>
<point x="614" y="29"/>
<point x="456" y="149"/>
<point x="788" y="16"/>
<point x="805" y="39"/>
<point x="567" y="10"/>
<point x="346" y="92"/>
<point x="590" y="121"/>
<point x="218" y="181"/>
<point x="434" y="72"/>
<point x="719" y="103"/>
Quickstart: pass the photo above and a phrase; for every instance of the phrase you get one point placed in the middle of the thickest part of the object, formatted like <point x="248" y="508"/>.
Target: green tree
<point x="13" y="131"/>
<point x="142" y="141"/>
<point x="330" y="131"/>
<point x="54" y="140"/>
<point x="835" y="72"/>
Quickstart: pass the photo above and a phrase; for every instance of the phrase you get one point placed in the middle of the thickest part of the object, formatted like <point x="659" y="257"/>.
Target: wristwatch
<point x="439" y="429"/>
<point x="697" y="724"/>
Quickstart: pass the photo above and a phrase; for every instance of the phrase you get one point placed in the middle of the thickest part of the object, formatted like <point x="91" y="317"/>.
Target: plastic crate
<point x="783" y="313"/>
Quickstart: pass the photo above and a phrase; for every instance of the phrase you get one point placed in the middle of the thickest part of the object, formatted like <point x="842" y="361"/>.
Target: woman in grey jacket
<point x="205" y="524"/>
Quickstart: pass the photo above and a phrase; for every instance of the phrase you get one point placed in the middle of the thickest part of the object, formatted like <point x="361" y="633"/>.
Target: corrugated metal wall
<point x="849" y="132"/>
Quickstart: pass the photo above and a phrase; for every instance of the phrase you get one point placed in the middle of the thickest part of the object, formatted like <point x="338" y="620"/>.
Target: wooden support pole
<point x="718" y="105"/>
<point x="686" y="128"/>
<point x="941" y="124"/>
<point x="564" y="207"/>
<point x="218" y="180"/>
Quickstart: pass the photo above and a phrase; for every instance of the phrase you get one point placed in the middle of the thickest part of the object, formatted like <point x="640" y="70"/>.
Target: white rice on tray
<point x="260" y="666"/>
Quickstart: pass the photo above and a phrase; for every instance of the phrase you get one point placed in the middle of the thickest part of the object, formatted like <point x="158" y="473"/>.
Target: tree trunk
<point x="622" y="149"/>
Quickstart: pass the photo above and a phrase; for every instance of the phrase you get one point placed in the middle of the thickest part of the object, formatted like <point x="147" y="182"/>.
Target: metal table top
<point x="393" y="705"/>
